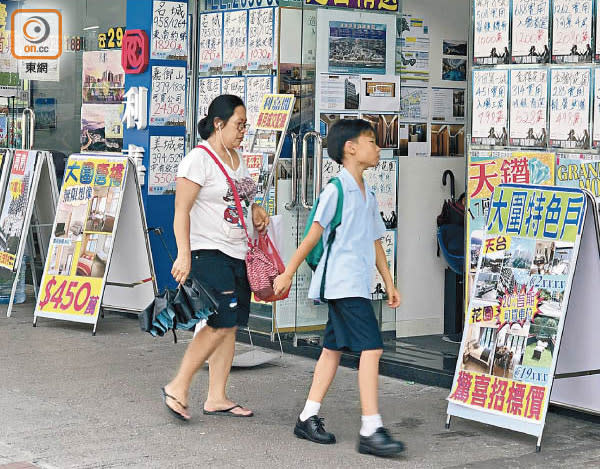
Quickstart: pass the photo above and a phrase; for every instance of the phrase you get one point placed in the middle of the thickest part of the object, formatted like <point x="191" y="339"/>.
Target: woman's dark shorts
<point x="352" y="326"/>
<point x="227" y="276"/>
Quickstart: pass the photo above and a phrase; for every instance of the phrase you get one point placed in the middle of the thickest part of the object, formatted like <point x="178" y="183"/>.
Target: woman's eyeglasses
<point x="243" y="127"/>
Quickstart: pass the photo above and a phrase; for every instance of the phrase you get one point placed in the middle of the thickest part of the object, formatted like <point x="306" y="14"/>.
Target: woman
<point x="211" y="247"/>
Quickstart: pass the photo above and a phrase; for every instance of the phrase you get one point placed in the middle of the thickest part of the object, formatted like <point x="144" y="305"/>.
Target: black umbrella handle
<point x="452" y="191"/>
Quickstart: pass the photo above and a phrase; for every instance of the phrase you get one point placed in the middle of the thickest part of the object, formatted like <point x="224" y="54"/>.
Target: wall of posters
<point x="82" y="239"/>
<point x="167" y="102"/>
<point x="14" y="208"/>
<point x="357" y="47"/>
<point x="491" y="32"/>
<point x="412" y="49"/>
<point x="530" y="31"/>
<point x="261" y="35"/>
<point x="517" y="306"/>
<point x="570" y="107"/>
<point x="572" y="31"/>
<point x="210" y="43"/>
<point x="490" y="107"/>
<point x="165" y="156"/>
<point x="528" y="107"/>
<point x="235" y="34"/>
<point x="169" y="30"/>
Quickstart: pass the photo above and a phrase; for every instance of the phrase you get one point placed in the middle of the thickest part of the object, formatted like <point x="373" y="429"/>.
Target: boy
<point x="352" y="324"/>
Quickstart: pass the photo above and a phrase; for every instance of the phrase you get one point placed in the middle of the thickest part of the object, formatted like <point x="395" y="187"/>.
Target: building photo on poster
<point x="357" y="47"/>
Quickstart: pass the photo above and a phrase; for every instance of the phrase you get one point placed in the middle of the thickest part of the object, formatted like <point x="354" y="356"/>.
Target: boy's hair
<point x="342" y="131"/>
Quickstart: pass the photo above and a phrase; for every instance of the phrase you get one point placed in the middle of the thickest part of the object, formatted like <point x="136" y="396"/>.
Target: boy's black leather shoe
<point x="380" y="443"/>
<point x="312" y="429"/>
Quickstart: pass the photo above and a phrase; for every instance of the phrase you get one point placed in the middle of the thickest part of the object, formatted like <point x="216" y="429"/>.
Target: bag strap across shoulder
<point x="335" y="222"/>
<point x="236" y="196"/>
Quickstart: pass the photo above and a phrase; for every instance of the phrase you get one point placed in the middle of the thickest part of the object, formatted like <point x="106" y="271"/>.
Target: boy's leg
<point x="309" y="426"/>
<point x="374" y="438"/>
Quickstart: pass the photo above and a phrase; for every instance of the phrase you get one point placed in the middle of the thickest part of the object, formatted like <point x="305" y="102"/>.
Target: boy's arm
<point x="394" y="298"/>
<point x="282" y="282"/>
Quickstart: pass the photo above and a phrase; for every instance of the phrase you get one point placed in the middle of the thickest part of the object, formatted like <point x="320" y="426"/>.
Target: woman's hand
<point x="260" y="218"/>
<point x="181" y="267"/>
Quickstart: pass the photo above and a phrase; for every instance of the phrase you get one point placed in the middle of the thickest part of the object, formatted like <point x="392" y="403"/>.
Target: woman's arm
<point x="185" y="194"/>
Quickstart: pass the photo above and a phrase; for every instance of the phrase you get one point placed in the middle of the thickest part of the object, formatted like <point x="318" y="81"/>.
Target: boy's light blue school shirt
<point x="351" y="264"/>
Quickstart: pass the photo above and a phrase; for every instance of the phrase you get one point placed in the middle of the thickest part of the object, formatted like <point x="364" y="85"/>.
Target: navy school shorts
<point x="352" y="326"/>
<point x="224" y="274"/>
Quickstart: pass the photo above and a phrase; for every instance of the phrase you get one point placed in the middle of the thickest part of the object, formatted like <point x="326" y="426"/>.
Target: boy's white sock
<point x="311" y="408"/>
<point x="370" y="424"/>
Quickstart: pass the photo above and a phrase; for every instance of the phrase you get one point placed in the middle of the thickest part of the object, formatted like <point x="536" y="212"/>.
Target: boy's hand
<point x="394" y="298"/>
<point x="282" y="283"/>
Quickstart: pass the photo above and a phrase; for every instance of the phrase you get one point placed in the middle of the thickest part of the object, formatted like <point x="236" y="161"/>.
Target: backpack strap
<point x="335" y="222"/>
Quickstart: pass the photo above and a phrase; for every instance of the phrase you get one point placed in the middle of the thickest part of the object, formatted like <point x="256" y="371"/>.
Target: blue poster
<point x="357" y="47"/>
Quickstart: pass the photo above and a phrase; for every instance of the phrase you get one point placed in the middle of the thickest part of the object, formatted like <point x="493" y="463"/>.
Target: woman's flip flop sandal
<point x="227" y="412"/>
<point x="176" y="414"/>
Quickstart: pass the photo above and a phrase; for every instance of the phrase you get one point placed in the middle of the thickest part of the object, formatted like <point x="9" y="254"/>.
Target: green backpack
<point x="314" y="256"/>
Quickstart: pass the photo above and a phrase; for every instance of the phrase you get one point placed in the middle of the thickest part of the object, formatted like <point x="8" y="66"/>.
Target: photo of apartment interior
<point x="510" y="347"/>
<point x="103" y="209"/>
<point x="93" y="255"/>
<point x="479" y="347"/>
<point x="69" y="220"/>
<point x="447" y="140"/>
<point x="61" y="259"/>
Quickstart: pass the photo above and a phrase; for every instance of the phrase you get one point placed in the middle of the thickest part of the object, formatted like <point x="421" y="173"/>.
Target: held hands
<point x="282" y="283"/>
<point x="181" y="268"/>
<point x="260" y="218"/>
<point x="394" y="298"/>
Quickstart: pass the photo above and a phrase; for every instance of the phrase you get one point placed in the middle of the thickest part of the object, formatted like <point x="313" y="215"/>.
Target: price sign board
<point x="82" y="238"/>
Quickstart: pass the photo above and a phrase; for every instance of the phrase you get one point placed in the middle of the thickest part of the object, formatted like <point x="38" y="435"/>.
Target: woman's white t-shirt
<point x="214" y="220"/>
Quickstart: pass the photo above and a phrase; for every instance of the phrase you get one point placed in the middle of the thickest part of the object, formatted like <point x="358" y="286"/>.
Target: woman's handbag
<point x="263" y="262"/>
<point x="179" y="309"/>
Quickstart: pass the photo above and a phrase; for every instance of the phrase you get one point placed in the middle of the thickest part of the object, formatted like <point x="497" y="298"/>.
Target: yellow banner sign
<point x="274" y="112"/>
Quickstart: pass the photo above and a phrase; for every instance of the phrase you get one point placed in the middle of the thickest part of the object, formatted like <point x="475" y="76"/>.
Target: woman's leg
<point x="201" y="347"/>
<point x="219" y="366"/>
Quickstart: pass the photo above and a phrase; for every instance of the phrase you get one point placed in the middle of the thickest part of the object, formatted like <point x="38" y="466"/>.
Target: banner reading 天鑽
<point x="517" y="306"/>
<point x="82" y="238"/>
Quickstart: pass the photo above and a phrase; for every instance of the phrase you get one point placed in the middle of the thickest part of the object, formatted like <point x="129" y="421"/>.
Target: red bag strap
<point x="236" y="196"/>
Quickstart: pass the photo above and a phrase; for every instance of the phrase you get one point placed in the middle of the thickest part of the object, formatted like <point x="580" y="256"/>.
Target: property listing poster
<point x="530" y="31"/>
<point x="356" y="48"/>
<point x="167" y="102"/>
<point x="261" y="35"/>
<point x="487" y="170"/>
<point x="528" y="107"/>
<point x="169" y="30"/>
<point x="596" y="129"/>
<point x="210" y="43"/>
<point x="412" y="49"/>
<point x="491" y="32"/>
<point x="570" y="107"/>
<point x="490" y="107"/>
<point x="82" y="238"/>
<point x="14" y="208"/>
<point x="517" y="305"/>
<point x="165" y="155"/>
<point x="579" y="171"/>
<point x="572" y="31"/>
<point x="235" y="35"/>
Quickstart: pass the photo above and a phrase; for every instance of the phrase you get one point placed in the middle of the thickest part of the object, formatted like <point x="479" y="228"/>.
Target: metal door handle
<point x="318" y="185"/>
<point x="304" y="175"/>
<point x="290" y="205"/>
<point x="28" y="129"/>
